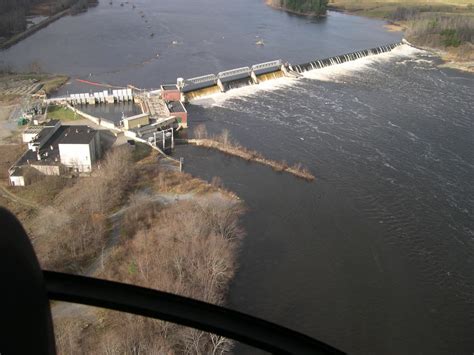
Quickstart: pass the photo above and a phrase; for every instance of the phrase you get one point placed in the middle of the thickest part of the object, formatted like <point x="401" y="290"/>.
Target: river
<point x="375" y="256"/>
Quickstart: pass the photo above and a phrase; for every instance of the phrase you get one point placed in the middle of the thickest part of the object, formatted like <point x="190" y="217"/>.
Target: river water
<point x="375" y="256"/>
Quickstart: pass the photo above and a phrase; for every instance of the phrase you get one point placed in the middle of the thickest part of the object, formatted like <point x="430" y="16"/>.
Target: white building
<point x="16" y="177"/>
<point x="57" y="150"/>
<point x="79" y="148"/>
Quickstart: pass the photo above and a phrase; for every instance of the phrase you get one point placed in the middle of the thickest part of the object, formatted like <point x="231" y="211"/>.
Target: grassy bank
<point x="444" y="26"/>
<point x="62" y="113"/>
<point x="225" y="144"/>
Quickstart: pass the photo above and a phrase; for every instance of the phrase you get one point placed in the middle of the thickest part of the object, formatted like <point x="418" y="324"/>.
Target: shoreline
<point x="18" y="37"/>
<point x="447" y="55"/>
<point x="279" y="8"/>
<point x="25" y="34"/>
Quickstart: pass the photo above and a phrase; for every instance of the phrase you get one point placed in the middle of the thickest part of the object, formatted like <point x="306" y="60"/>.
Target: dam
<point x="186" y="90"/>
<point x="164" y="109"/>
<point x="223" y="81"/>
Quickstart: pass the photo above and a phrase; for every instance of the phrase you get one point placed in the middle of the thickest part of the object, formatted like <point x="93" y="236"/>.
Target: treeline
<point x="13" y="13"/>
<point x="309" y="7"/>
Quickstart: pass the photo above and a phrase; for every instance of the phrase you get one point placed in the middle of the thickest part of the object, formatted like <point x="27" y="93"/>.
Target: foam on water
<point x="220" y="98"/>
<point x="333" y="72"/>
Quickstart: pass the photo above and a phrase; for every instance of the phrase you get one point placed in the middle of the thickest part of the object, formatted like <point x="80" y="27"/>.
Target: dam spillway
<point x="210" y="84"/>
<point x="343" y="58"/>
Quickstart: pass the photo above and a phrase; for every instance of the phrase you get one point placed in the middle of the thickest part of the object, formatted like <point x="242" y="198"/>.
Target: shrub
<point x="451" y="38"/>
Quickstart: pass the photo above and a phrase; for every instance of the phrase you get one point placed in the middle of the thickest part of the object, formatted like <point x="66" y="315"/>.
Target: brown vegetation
<point x="455" y="33"/>
<point x="225" y="144"/>
<point x="445" y="26"/>
<point x="9" y="153"/>
<point x="187" y="248"/>
<point x="70" y="232"/>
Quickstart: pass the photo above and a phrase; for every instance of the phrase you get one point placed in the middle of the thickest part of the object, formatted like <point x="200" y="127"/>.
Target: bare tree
<point x="200" y="132"/>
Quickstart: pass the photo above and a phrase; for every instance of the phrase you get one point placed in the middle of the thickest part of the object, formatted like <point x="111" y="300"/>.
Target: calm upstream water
<point x="377" y="255"/>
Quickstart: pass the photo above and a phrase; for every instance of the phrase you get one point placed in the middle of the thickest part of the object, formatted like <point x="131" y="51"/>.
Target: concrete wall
<point x="97" y="152"/>
<point x="47" y="169"/>
<point x="171" y="95"/>
<point x="135" y="121"/>
<point x="107" y="124"/>
<point x="78" y="156"/>
<point x="130" y="134"/>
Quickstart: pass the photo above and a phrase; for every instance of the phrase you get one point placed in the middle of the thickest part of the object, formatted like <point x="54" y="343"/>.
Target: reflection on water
<point x="112" y="112"/>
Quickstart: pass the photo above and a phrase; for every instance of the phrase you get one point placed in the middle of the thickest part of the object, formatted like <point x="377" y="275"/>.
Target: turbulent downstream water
<point x="374" y="257"/>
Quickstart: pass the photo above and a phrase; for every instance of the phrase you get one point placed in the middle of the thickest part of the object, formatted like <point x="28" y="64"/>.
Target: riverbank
<point x="22" y="35"/>
<point x="320" y="11"/>
<point x="444" y="27"/>
<point x="45" y="8"/>
<point x="126" y="206"/>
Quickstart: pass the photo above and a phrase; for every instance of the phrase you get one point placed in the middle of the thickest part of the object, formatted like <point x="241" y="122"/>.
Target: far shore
<point x="270" y="4"/>
<point x="28" y="32"/>
<point x="17" y="37"/>
<point x="452" y="56"/>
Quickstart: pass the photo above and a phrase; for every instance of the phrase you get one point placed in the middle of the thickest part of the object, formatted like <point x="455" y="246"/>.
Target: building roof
<point x="18" y="171"/>
<point x="49" y="152"/>
<point x="175" y="106"/>
<point x="43" y="135"/>
<point x="77" y="135"/>
<point x="33" y="130"/>
<point x="51" y="123"/>
<point x="39" y="128"/>
<point x="169" y="87"/>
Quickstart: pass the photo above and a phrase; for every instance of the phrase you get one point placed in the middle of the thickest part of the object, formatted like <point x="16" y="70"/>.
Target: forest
<point x="13" y="13"/>
<point x="307" y="7"/>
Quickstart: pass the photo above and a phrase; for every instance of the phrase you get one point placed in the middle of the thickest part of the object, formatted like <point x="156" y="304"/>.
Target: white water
<point x="220" y="98"/>
<point x="330" y="73"/>
<point x="354" y="67"/>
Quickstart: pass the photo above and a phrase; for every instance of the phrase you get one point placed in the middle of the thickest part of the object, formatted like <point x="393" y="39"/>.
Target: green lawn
<point x="62" y="113"/>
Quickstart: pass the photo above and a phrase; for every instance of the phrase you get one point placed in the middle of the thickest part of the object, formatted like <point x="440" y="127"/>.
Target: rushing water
<point x="376" y="255"/>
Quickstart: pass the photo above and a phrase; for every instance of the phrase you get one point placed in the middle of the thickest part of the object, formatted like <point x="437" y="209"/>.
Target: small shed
<point x="16" y="177"/>
<point x="136" y="121"/>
